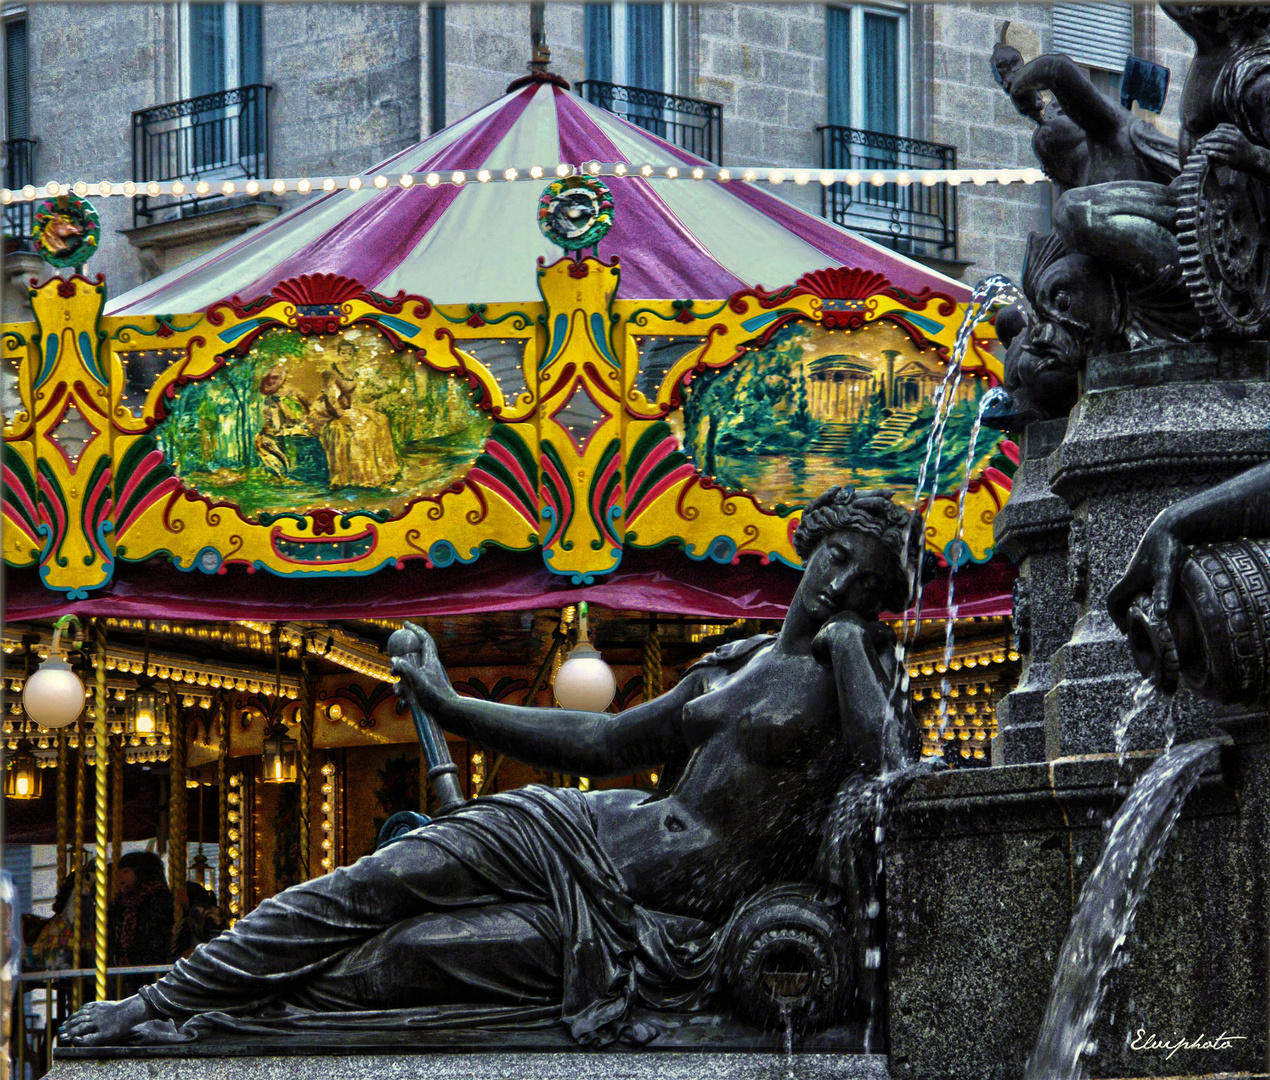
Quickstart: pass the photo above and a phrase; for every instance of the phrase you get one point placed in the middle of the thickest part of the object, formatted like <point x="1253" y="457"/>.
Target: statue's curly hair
<point x="873" y="513"/>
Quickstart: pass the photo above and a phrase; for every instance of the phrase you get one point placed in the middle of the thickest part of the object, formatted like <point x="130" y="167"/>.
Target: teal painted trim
<point x="922" y="322"/>
<point x="164" y="321"/>
<point x="582" y="579"/>
<point x="601" y="338"/>
<point x="397" y="326"/>
<point x="958" y="554"/>
<point x="233" y="333"/>
<point x="559" y="336"/>
<point x="90" y="356"/>
<point x="757" y="322"/>
<point x="443" y="553"/>
<point x="52" y="346"/>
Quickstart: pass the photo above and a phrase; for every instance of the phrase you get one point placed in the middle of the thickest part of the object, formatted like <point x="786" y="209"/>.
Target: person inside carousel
<point x="546" y="904"/>
<point x="141" y="917"/>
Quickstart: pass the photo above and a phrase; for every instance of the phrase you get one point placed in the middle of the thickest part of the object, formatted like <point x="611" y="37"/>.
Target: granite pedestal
<point x="1152" y="427"/>
<point x="1032" y="530"/>
<point x="984" y="869"/>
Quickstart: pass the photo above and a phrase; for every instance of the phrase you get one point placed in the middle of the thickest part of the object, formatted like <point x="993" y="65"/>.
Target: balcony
<point x="19" y="170"/>
<point x="915" y="220"/>
<point x="694" y="125"/>
<point x="213" y="138"/>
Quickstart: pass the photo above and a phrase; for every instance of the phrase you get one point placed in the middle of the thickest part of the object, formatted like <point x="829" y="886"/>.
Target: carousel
<point x="565" y="422"/>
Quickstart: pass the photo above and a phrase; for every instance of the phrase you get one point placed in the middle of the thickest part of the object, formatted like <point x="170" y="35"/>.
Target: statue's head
<point x="1007" y="62"/>
<point x="861" y="551"/>
<point x="1077" y="311"/>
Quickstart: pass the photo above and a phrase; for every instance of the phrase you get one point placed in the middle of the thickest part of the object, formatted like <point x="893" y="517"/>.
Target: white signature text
<point x="1145" y="1041"/>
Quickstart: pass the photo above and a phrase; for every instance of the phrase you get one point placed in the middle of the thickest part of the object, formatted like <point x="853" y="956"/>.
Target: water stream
<point x="991" y="294"/>
<point x="1108" y="903"/>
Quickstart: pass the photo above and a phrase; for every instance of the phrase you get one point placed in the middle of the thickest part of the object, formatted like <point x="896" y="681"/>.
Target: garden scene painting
<point x="816" y="407"/>
<point x="338" y="420"/>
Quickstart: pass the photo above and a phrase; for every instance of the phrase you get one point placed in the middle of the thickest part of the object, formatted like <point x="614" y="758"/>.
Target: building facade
<point x="158" y="91"/>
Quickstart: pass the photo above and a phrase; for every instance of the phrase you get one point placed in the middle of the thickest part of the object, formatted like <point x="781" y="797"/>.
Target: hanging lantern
<point x="54" y="697"/>
<point x="280" y="755"/>
<point x="584" y="681"/>
<point x="146" y="713"/>
<point x="23" y="780"/>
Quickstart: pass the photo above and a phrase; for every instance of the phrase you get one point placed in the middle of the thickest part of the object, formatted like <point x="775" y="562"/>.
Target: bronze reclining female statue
<point x="586" y="904"/>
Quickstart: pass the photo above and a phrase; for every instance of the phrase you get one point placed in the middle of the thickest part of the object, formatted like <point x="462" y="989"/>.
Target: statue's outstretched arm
<point x="1088" y="107"/>
<point x="1239" y="507"/>
<point x="561" y="740"/>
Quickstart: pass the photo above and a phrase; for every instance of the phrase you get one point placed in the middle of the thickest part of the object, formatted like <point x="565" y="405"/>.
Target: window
<point x="221" y="50"/>
<point x="436" y="67"/>
<point x="631" y="45"/>
<point x="867" y="70"/>
<point x="221" y="47"/>
<point x="19" y="147"/>
<point x="1096" y="35"/>
<point x="17" y="115"/>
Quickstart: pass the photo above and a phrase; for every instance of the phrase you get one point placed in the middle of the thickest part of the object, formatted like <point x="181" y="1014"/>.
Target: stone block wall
<point x="765" y="64"/>
<point x="346" y="84"/>
<point x="351" y="88"/>
<point x="91" y="66"/>
<point x="967" y="109"/>
<point x="346" y="81"/>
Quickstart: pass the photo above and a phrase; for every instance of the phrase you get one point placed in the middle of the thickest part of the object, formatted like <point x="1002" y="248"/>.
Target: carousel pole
<point x="304" y="754"/>
<point x="222" y="802"/>
<point x="117" y="757"/>
<point x="101" y="754"/>
<point x="77" y="856"/>
<point x="63" y="808"/>
<point x="178" y="801"/>
<point x="652" y="662"/>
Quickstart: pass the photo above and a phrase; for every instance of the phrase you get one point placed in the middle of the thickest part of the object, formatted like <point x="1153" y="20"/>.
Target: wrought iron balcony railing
<point x="19" y="170"/>
<point x="213" y="138"/>
<point x="914" y="219"/>
<point x="695" y="125"/>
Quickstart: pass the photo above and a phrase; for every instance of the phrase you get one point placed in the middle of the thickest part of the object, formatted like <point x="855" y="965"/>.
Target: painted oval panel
<point x="816" y="407"/>
<point x="339" y="420"/>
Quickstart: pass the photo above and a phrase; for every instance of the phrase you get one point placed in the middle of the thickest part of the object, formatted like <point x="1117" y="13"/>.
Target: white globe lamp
<point x="585" y="682"/>
<point x="53" y="696"/>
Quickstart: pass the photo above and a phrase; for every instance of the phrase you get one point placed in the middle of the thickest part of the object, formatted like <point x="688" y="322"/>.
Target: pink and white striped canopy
<point x="480" y="243"/>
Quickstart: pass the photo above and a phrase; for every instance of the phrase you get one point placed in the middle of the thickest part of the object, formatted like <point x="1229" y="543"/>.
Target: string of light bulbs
<point x="305" y="185"/>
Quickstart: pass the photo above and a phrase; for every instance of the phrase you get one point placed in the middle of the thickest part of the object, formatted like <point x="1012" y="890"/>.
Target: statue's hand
<point x="1154" y="569"/>
<point x="417" y="666"/>
<point x="1227" y="145"/>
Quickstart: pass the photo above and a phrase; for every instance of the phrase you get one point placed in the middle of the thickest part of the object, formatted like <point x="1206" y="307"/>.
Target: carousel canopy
<point x="675" y="238"/>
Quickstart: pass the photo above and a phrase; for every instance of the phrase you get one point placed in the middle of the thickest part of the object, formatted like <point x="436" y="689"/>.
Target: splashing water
<point x="851" y="858"/>
<point x="990" y="294"/>
<point x="787" y="1018"/>
<point x="1108" y="903"/>
<point x="1145" y="696"/>
<point x="960" y="548"/>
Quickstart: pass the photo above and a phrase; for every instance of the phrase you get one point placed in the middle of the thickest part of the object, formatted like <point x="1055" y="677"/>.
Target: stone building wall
<point x="346" y="94"/>
<point x="351" y="87"/>
<point x="91" y="66"/>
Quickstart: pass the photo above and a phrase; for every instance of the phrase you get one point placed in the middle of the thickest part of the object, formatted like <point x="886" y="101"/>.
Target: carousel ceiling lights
<point x="584" y="680"/>
<point x="54" y="697"/>
<point x="147" y="710"/>
<point x="305" y="184"/>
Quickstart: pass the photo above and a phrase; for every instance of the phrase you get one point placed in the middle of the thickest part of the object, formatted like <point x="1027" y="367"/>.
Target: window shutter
<point x="1096" y="35"/>
<point x="16" y="101"/>
<point x="838" y="65"/>
<point x="599" y="42"/>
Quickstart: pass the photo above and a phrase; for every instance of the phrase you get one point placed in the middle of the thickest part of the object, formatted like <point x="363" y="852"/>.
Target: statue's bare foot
<point x="106" y="1023"/>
